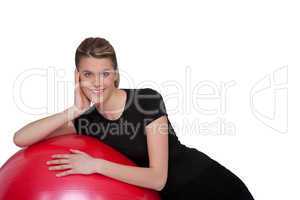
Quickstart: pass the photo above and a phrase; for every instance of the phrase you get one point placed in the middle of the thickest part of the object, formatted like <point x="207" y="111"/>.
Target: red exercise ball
<point x="25" y="176"/>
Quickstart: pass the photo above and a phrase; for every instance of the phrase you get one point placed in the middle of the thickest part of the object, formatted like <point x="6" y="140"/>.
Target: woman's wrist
<point x="97" y="165"/>
<point x="73" y="112"/>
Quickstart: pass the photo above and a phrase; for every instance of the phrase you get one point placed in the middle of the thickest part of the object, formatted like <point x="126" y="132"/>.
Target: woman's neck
<point x="113" y="104"/>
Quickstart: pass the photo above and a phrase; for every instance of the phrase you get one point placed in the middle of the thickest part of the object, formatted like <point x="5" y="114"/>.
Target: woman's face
<point x="97" y="78"/>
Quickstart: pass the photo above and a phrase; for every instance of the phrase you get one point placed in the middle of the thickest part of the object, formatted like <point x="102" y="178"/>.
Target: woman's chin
<point x="97" y="99"/>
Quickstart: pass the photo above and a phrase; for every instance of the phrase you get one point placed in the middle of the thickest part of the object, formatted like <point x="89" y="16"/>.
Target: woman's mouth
<point x="98" y="92"/>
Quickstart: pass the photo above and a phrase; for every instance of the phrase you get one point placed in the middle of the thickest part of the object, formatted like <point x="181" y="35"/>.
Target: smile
<point x="97" y="92"/>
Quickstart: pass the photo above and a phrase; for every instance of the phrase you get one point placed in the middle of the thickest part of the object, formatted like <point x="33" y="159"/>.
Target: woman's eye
<point x="86" y="74"/>
<point x="105" y="74"/>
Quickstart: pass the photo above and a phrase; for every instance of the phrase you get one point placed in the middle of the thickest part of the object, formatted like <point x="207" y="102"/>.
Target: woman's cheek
<point x="88" y="94"/>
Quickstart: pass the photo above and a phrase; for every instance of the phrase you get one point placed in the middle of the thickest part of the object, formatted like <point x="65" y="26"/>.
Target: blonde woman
<point x="134" y="122"/>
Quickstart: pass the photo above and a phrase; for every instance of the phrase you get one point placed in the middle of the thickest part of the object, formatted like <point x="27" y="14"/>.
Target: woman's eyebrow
<point x="106" y="69"/>
<point x="86" y="71"/>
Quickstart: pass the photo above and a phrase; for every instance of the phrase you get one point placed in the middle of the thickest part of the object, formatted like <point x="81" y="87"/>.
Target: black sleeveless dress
<point x="191" y="173"/>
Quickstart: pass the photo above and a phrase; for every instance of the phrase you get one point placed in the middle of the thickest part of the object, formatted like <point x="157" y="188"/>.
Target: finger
<point x="61" y="156"/>
<point x="77" y="151"/>
<point x="58" y="161"/>
<point x="76" y="78"/>
<point x="59" y="167"/>
<point x="76" y="74"/>
<point x="76" y="84"/>
<point x="65" y="173"/>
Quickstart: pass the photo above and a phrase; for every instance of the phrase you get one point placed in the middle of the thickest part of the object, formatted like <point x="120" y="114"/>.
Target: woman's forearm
<point x="39" y="129"/>
<point x="139" y="176"/>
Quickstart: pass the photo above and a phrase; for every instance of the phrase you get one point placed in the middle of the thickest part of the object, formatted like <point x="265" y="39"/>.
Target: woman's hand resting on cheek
<point x="81" y="102"/>
<point x="78" y="162"/>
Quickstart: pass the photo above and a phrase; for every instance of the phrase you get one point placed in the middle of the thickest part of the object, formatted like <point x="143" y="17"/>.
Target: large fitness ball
<point x="25" y="176"/>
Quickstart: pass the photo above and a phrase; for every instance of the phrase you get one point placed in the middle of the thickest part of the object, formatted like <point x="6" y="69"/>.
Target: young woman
<point x="134" y="122"/>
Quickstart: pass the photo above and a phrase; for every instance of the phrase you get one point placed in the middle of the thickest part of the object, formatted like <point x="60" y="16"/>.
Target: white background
<point x="242" y="56"/>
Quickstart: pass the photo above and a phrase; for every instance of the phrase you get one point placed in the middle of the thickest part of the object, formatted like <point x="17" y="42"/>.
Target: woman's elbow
<point x="17" y="142"/>
<point x="161" y="183"/>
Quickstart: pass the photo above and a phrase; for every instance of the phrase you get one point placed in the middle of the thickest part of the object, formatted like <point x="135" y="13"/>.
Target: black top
<point x="127" y="135"/>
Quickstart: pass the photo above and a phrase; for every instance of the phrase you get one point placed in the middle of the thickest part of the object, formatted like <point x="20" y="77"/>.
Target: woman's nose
<point x="98" y="81"/>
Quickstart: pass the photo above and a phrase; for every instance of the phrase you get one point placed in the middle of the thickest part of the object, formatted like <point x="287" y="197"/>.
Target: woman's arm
<point x="57" y="124"/>
<point x="155" y="175"/>
<point x="140" y="176"/>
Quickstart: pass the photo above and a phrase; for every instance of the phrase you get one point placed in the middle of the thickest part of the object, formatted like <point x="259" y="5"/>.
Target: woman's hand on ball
<point x="78" y="162"/>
